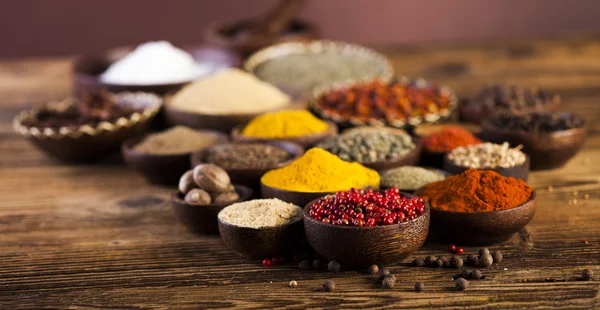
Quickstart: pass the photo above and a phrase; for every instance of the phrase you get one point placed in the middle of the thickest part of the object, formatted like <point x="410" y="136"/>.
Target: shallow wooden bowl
<point x="305" y="141"/>
<point x="203" y="219"/>
<point x="409" y="159"/>
<point x="161" y="169"/>
<point x="547" y="150"/>
<point x="480" y="228"/>
<point x="520" y="172"/>
<point x="251" y="176"/>
<point x="297" y="198"/>
<point x="362" y="246"/>
<point x="260" y="243"/>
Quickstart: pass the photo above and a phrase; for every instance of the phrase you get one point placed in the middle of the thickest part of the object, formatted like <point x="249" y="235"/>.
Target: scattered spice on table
<point x="388" y="282"/>
<point x="284" y="124"/>
<point x="419" y="286"/>
<point x="537" y="121"/>
<point x="383" y="272"/>
<point x="382" y="102"/>
<point x="487" y="156"/>
<point x="293" y="284"/>
<point x="305" y="265"/>
<point x="449" y="138"/>
<point x="206" y="184"/>
<point x="329" y="285"/>
<point x="306" y="72"/>
<point x="418" y="262"/>
<point x="230" y="91"/>
<point x="358" y="207"/>
<point x="260" y="213"/>
<point x="476" y="191"/>
<point x="176" y="140"/>
<point x="247" y="155"/>
<point x="320" y="171"/>
<point x="333" y="266"/>
<point x="462" y="284"/>
<point x="477" y="275"/>
<point x="369" y="147"/>
<point x="409" y="177"/>
<point x="373" y="269"/>
<point x="586" y="275"/>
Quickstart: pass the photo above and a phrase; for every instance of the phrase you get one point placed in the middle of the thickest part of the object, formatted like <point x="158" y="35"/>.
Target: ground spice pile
<point x="476" y="191"/>
<point x="261" y="213"/>
<point x="449" y="138"/>
<point x="284" y="124"/>
<point x="176" y="140"/>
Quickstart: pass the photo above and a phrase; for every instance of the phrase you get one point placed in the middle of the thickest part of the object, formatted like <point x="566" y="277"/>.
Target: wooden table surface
<point x="98" y="236"/>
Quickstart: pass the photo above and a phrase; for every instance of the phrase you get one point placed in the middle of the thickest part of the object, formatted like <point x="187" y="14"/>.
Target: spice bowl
<point x="203" y="219"/>
<point x="519" y="172"/>
<point x="162" y="169"/>
<point x="305" y="141"/>
<point x="480" y="228"/>
<point x="409" y="159"/>
<point x="412" y="190"/>
<point x="356" y="247"/>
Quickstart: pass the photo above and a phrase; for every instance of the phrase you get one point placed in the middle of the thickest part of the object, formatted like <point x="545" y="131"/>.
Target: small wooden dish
<point x="362" y="246"/>
<point x="409" y="159"/>
<point x="160" y="169"/>
<point x="203" y="219"/>
<point x="259" y="243"/>
<point x="480" y="228"/>
<point x="520" y="172"/>
<point x="305" y="141"/>
<point x="548" y="150"/>
<point x="251" y="176"/>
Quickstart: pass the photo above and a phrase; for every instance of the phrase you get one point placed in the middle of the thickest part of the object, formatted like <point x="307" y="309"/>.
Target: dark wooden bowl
<point x="305" y="141"/>
<point x="203" y="219"/>
<point x="297" y="198"/>
<point x="520" y="172"/>
<point x="223" y="34"/>
<point x="547" y="150"/>
<point x="259" y="243"/>
<point x="251" y="176"/>
<point x="410" y="159"/>
<point x="362" y="246"/>
<point x="480" y="228"/>
<point x="161" y="169"/>
<point x="412" y="190"/>
<point x="87" y="69"/>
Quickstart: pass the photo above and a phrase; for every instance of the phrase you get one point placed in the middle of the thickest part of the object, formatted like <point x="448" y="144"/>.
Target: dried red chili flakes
<point x="378" y="100"/>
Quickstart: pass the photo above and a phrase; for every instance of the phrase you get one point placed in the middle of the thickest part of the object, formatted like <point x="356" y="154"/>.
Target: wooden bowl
<point x="409" y="159"/>
<point x="305" y="141"/>
<point x="297" y="198"/>
<point x="219" y="122"/>
<point x="480" y="228"/>
<point x="165" y="169"/>
<point x="474" y="112"/>
<point x="520" y="172"/>
<point x="251" y="176"/>
<point x="362" y="246"/>
<point x="547" y="150"/>
<point x="259" y="243"/>
<point x="87" y="69"/>
<point x="203" y="219"/>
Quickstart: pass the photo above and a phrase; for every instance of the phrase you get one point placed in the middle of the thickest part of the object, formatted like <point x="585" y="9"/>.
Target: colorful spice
<point x="487" y="156"/>
<point x="176" y="140"/>
<point x="261" y="213"/>
<point x="386" y="103"/>
<point x="477" y="191"/>
<point x="366" y="208"/>
<point x="369" y="147"/>
<point x="284" y="124"/>
<point x="452" y="248"/>
<point x="459" y="250"/>
<point x="449" y="138"/>
<point x="409" y="177"/>
<point x="247" y="155"/>
<point x="320" y="171"/>
<point x="537" y="121"/>
<point x="266" y="262"/>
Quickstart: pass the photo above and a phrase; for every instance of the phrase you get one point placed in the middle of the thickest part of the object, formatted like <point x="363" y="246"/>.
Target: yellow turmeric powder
<point x="320" y="171"/>
<point x="284" y="124"/>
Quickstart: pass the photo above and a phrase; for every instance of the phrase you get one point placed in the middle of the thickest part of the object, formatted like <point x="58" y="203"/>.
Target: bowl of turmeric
<point x="478" y="207"/>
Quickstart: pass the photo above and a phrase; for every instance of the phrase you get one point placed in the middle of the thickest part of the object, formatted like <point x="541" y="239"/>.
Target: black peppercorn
<point x="373" y="269"/>
<point x="388" y="282"/>
<point x="333" y="266"/>
<point x="419" y="287"/>
<point x="473" y="259"/>
<point x="418" y="262"/>
<point x="382" y="273"/>
<point x="318" y="264"/>
<point x="483" y="251"/>
<point x="467" y="274"/>
<point x="391" y="276"/>
<point x="438" y="263"/>
<point x="329" y="286"/>
<point x="430" y="260"/>
<point x="486" y="260"/>
<point x="456" y="262"/>
<point x="497" y="256"/>
<point x="462" y="284"/>
<point x="304" y="265"/>
<point x="586" y="275"/>
<point x="477" y="274"/>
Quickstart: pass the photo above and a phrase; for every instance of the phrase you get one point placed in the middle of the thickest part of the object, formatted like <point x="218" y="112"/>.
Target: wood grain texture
<point x="97" y="236"/>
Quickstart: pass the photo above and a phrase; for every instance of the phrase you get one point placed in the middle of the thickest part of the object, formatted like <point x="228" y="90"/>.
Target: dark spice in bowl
<point x="537" y="122"/>
<point x="369" y="146"/>
<point x="247" y="155"/>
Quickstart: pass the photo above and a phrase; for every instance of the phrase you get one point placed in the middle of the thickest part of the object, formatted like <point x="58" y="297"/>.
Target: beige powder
<point x="176" y="140"/>
<point x="260" y="213"/>
<point x="230" y="91"/>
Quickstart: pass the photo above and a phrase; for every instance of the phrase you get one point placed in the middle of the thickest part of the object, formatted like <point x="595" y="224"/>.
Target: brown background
<point x="59" y="27"/>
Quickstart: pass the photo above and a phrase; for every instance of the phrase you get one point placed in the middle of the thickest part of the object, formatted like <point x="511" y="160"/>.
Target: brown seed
<point x="186" y="182"/>
<point x="586" y="275"/>
<point x="461" y="284"/>
<point x="318" y="264"/>
<point x="388" y="282"/>
<point x="382" y="273"/>
<point x="224" y="197"/>
<point x="373" y="269"/>
<point x="430" y="260"/>
<point x="550" y="188"/>
<point x="293" y="283"/>
<point x="585" y="242"/>
<point x="419" y="287"/>
<point x="497" y="256"/>
<point x="477" y="275"/>
<point x="483" y="251"/>
<point x="472" y="259"/>
<point x="439" y="263"/>
<point x="304" y="265"/>
<point x="418" y="262"/>
<point x="486" y="260"/>
<point x="211" y="178"/>
<point x="456" y="262"/>
<point x="329" y="286"/>
<point x="334" y="266"/>
<point x="197" y="196"/>
<point x="467" y="274"/>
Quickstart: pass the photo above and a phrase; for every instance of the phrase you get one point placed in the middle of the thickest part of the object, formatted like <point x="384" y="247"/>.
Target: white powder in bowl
<point x="261" y="213"/>
<point x="155" y="63"/>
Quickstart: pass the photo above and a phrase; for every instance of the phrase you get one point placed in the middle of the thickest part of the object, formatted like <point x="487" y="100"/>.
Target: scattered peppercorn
<point x="329" y="286"/>
<point x="318" y="264"/>
<point x="382" y="273"/>
<point x="550" y="188"/>
<point x="388" y="282"/>
<point x="293" y="283"/>
<point x="483" y="251"/>
<point x="467" y="274"/>
<point x="419" y="286"/>
<point x="472" y="259"/>
<point x="575" y="193"/>
<point x="477" y="274"/>
<point x="456" y="262"/>
<point x="334" y="266"/>
<point x="452" y="248"/>
<point x="391" y="276"/>
<point x="266" y="262"/>
<point x="418" y="262"/>
<point x="462" y="284"/>
<point x="430" y="260"/>
<point x="305" y="265"/>
<point x="448" y="263"/>
<point x="486" y="260"/>
<point x="586" y="275"/>
<point x="373" y="269"/>
<point x="439" y="263"/>
<point x="459" y="250"/>
<point x="497" y="256"/>
<point x="586" y="196"/>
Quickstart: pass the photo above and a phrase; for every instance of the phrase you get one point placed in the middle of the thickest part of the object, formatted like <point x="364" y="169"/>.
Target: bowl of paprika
<point x="438" y="143"/>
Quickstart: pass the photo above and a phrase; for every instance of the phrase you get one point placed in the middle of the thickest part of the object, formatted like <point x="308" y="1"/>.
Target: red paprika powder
<point x="449" y="138"/>
<point x="476" y="191"/>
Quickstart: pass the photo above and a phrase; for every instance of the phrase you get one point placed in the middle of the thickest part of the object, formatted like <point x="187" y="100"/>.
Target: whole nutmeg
<point x="224" y="197"/>
<point x="186" y="182"/>
<point x="197" y="196"/>
<point x="211" y="178"/>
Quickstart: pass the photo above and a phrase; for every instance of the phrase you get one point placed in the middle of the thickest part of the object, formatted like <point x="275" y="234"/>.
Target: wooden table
<point x="98" y="236"/>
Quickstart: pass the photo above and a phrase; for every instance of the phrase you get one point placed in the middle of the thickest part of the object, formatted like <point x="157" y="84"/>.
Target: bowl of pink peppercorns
<point x="361" y="227"/>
